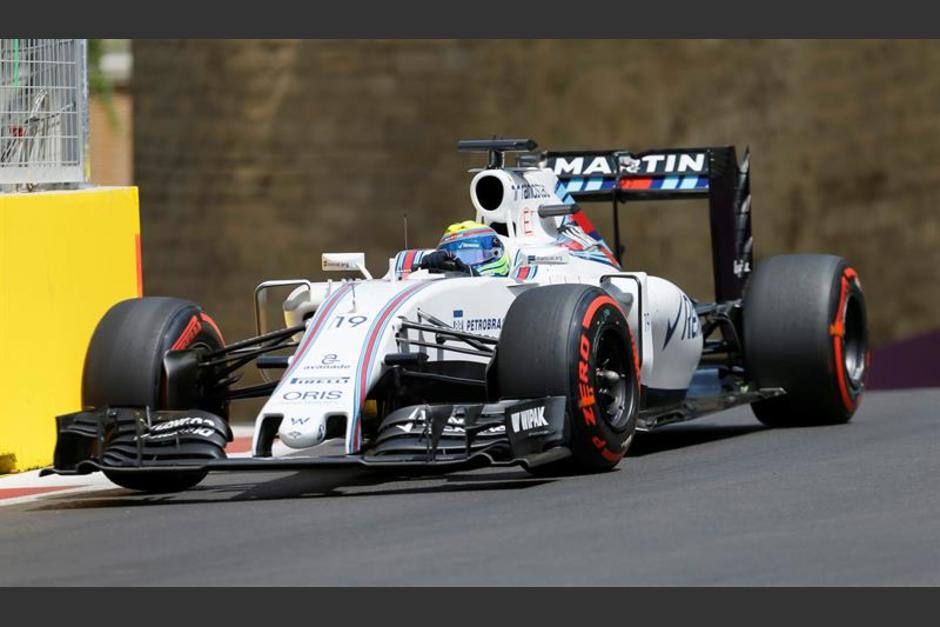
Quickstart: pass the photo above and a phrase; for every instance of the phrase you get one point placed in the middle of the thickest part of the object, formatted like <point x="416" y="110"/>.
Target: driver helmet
<point x="478" y="246"/>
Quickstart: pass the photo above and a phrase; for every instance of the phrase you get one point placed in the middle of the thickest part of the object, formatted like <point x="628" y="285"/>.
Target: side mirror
<point x="345" y="262"/>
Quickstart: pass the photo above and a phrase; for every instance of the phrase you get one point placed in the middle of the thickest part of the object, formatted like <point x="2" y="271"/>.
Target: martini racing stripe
<point x="367" y="358"/>
<point x="525" y="272"/>
<point x="316" y="326"/>
<point x="407" y="261"/>
<point x="564" y="189"/>
<point x="599" y="257"/>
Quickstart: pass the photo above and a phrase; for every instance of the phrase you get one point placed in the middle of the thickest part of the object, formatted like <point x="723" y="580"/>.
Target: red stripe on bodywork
<point x="581" y="219"/>
<point x="326" y="308"/>
<point x="376" y="332"/>
<point x="409" y="262"/>
<point x="381" y="321"/>
<point x="587" y="226"/>
<point x="643" y="183"/>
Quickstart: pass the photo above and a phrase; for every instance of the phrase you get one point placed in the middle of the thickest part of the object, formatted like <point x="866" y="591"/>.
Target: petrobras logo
<point x="626" y="163"/>
<point x="528" y="419"/>
<point x="477" y="325"/>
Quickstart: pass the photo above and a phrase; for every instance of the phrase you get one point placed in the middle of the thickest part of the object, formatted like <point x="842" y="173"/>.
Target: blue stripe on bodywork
<point x="688" y="182"/>
<point x="405" y="294"/>
<point x="317" y="324"/>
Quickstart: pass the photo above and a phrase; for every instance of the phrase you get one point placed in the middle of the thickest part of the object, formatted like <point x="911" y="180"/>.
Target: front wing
<point x="135" y="440"/>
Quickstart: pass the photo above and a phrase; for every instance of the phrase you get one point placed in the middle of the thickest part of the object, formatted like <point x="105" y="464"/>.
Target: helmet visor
<point x="475" y="250"/>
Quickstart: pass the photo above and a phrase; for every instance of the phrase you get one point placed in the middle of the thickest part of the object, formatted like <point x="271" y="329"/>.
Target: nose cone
<point x="302" y="432"/>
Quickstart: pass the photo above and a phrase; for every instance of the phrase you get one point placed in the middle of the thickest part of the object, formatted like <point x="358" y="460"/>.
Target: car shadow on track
<point x="298" y="485"/>
<point x="682" y="436"/>
<point x="344" y="483"/>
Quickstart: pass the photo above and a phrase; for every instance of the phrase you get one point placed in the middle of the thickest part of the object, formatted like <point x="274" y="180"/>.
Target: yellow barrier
<point x="65" y="258"/>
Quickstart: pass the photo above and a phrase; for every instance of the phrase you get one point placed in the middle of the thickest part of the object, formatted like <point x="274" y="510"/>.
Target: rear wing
<point x="714" y="173"/>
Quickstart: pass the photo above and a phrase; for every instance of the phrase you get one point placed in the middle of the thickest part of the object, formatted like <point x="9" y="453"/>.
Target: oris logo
<point x="313" y="395"/>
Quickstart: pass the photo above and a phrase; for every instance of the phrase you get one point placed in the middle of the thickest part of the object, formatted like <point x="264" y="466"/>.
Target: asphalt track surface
<point x="720" y="501"/>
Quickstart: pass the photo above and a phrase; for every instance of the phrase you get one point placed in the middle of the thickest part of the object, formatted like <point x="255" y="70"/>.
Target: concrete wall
<point x="65" y="258"/>
<point x="254" y="156"/>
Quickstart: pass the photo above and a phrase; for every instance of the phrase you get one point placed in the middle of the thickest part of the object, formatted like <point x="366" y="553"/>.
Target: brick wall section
<point x="254" y="156"/>
<point x="109" y="139"/>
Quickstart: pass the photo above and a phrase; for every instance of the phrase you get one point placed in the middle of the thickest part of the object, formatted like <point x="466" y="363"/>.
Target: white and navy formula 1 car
<point x="432" y="369"/>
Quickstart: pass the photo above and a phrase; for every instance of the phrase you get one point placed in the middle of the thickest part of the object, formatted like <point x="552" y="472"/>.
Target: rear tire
<point x="124" y="368"/>
<point x="574" y="341"/>
<point x="805" y="330"/>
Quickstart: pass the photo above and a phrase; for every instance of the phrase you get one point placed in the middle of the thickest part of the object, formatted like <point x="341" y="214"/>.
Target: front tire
<point x="806" y="331"/>
<point x="124" y="368"/>
<point x="574" y="341"/>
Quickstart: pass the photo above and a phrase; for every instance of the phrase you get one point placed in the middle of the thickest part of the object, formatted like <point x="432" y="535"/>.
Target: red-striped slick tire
<point x="806" y="330"/>
<point x="124" y="368"/>
<point x="570" y="340"/>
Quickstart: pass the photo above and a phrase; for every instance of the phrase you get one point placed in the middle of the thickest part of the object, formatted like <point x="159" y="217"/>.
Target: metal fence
<point x="43" y="111"/>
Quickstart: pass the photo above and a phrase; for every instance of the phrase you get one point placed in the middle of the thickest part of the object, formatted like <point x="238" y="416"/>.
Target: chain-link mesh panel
<point x="43" y="111"/>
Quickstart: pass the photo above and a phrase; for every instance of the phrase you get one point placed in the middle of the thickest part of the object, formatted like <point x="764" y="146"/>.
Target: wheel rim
<point x="854" y="342"/>
<point x="614" y="393"/>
